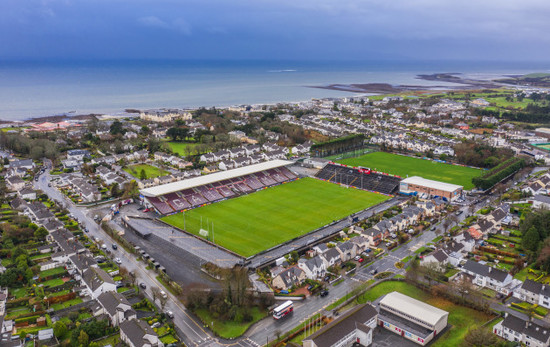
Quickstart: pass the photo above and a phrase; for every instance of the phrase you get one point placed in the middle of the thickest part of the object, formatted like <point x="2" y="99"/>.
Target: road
<point x="192" y="331"/>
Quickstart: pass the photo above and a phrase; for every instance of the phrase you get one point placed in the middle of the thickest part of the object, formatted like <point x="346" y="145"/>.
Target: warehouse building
<point x="417" y="185"/>
<point x="410" y="318"/>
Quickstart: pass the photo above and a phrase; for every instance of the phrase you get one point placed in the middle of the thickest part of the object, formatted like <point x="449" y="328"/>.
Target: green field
<point x="258" y="221"/>
<point x="150" y="171"/>
<point x="402" y="166"/>
<point x="184" y="149"/>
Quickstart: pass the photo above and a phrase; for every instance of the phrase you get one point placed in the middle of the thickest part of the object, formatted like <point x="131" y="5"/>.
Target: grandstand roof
<point x="211" y="178"/>
<point x="448" y="187"/>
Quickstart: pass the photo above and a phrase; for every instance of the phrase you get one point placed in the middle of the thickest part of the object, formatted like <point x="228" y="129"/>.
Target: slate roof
<point x="95" y="277"/>
<point x="344" y="325"/>
<point x="439" y="255"/>
<point x="530" y="329"/>
<point x="315" y="262"/>
<point x="139" y="332"/>
<point x="498" y="214"/>
<point x="484" y="270"/>
<point x="113" y="301"/>
<point x="331" y="254"/>
<point x="290" y="276"/>
<point x="532" y="286"/>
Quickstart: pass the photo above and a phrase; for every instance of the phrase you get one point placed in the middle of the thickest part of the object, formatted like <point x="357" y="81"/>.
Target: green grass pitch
<point x="402" y="166"/>
<point x="255" y="222"/>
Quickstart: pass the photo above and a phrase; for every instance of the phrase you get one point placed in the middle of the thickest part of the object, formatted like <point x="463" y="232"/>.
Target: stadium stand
<point x="187" y="194"/>
<point x="352" y="177"/>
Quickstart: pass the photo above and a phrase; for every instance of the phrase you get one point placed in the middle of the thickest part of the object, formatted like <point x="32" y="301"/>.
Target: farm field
<point x="402" y="166"/>
<point x="258" y="221"/>
<point x="150" y="171"/>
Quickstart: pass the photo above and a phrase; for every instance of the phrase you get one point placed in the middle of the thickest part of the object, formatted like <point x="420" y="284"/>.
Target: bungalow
<point x="116" y="307"/>
<point x="314" y="268"/>
<point x="528" y="333"/>
<point x="487" y="276"/>
<point x="137" y="333"/>
<point x="293" y="276"/>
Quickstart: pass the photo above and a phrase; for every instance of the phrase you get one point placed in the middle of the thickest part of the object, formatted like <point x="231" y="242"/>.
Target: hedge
<point x="498" y="173"/>
<point x="30" y="319"/>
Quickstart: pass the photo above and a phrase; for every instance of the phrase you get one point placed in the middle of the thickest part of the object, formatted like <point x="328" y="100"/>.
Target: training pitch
<point x="258" y="221"/>
<point x="402" y="166"/>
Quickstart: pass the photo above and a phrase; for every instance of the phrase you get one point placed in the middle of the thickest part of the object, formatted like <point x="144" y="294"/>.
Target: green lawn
<point x="51" y="272"/>
<point x="229" y="329"/>
<point x="258" y="221"/>
<point x="460" y="318"/>
<point x="184" y="149"/>
<point x="66" y="304"/>
<point x="52" y="283"/>
<point x="402" y="166"/>
<point x="150" y="171"/>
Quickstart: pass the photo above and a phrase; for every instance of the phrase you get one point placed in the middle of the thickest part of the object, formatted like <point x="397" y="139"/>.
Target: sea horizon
<point x="40" y="88"/>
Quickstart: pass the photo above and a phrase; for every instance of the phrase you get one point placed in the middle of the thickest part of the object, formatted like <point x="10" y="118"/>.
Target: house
<point x="541" y="201"/>
<point x="137" y="333"/>
<point x="347" y="250"/>
<point x="466" y="240"/>
<point x="78" y="154"/>
<point x="27" y="194"/>
<point x="293" y="276"/>
<point x="332" y="257"/>
<point x="438" y="257"/>
<point x="487" y="276"/>
<point x="15" y="183"/>
<point x="81" y="262"/>
<point x="116" y="306"/>
<point x="227" y="165"/>
<point x="314" y="268"/>
<point x="97" y="281"/>
<point x="354" y="326"/>
<point x="529" y="291"/>
<point x="455" y="252"/>
<point x="321" y="248"/>
<point x="26" y="164"/>
<point x="38" y="212"/>
<point x="208" y="158"/>
<point x="516" y="329"/>
<point x="361" y="243"/>
<point x="374" y="236"/>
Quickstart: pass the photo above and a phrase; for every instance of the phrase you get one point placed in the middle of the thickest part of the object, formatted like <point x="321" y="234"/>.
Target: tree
<point x="480" y="337"/>
<point x="41" y="233"/>
<point x="156" y="293"/>
<point x="142" y="174"/>
<point x="59" y="329"/>
<point x="530" y="240"/>
<point x="294" y="256"/>
<point x="115" y="191"/>
<point x="116" y="128"/>
<point x="83" y="339"/>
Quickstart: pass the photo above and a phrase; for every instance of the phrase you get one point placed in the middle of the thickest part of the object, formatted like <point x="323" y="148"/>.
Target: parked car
<point x="118" y="261"/>
<point x="324" y="293"/>
<point x="142" y="285"/>
<point x="115" y="247"/>
<point x="170" y="314"/>
<point x="86" y="230"/>
<point x="360" y="260"/>
<point x="104" y="246"/>
<point x="327" y="278"/>
<point x="374" y="272"/>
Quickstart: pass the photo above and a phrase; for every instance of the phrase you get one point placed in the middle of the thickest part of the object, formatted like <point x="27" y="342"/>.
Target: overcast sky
<point x="276" y="29"/>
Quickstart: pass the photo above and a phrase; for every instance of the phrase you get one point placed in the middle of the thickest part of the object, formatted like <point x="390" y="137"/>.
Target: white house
<point x="314" y="268"/>
<point x="116" y="306"/>
<point x="487" y="276"/>
<point x="97" y="281"/>
<point x="515" y="329"/>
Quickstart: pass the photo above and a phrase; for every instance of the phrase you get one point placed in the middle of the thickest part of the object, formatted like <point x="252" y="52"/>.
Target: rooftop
<point x="211" y="178"/>
<point x="407" y="305"/>
<point x="448" y="187"/>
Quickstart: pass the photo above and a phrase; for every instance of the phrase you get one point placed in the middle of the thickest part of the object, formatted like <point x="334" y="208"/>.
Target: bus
<point x="283" y="309"/>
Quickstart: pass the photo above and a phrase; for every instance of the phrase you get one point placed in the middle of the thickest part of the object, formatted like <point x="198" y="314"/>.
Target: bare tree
<point x="480" y="337"/>
<point x="156" y="293"/>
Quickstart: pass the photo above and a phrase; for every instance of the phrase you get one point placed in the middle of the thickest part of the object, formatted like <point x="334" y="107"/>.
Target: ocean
<point x="44" y="88"/>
